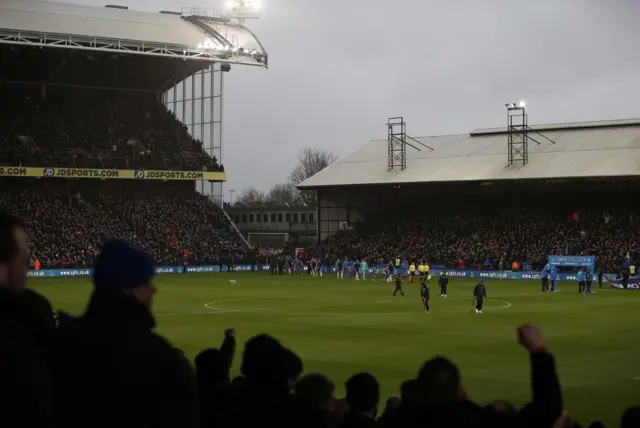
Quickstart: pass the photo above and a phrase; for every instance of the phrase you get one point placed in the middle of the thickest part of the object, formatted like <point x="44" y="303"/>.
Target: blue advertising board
<point x="573" y="261"/>
<point x="161" y="270"/>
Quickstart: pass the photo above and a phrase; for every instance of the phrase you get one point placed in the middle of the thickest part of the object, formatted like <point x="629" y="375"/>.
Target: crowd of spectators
<point x="98" y="129"/>
<point x="69" y="220"/>
<point x="109" y="368"/>
<point x="496" y="241"/>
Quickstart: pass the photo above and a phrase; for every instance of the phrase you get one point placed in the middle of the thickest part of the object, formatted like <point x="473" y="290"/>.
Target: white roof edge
<point x="334" y="163"/>
<point x="569" y="125"/>
<point x="115" y="25"/>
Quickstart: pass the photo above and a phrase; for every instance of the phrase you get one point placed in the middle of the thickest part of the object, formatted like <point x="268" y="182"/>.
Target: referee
<point x="479" y="294"/>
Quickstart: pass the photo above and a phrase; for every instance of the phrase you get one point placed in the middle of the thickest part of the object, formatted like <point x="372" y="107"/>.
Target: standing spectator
<point x="111" y="369"/>
<point x="26" y="384"/>
<point x="363" y="397"/>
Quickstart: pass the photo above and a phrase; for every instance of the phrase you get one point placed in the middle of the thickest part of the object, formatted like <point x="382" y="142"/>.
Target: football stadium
<point x="481" y="279"/>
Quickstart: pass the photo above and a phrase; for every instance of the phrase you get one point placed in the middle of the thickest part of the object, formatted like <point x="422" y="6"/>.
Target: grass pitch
<point x="342" y="327"/>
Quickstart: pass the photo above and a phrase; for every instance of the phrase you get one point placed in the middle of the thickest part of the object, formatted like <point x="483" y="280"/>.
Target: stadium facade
<point x="179" y="56"/>
<point x="601" y="159"/>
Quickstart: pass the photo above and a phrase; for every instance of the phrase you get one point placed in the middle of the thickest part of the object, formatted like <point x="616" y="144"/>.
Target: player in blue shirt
<point x="544" y="276"/>
<point x="403" y="270"/>
<point x="581" y="282"/>
<point x="554" y="277"/>
<point x="589" y="279"/>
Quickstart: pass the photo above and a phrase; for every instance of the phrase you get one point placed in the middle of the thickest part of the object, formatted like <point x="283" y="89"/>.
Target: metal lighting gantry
<point x="397" y="143"/>
<point x="518" y="137"/>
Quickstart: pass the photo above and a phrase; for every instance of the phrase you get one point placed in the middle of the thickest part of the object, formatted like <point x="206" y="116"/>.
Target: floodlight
<point x="522" y="104"/>
<point x="229" y="5"/>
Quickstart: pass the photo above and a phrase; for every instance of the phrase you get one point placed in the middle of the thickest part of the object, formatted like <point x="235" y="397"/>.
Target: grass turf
<point x="342" y="327"/>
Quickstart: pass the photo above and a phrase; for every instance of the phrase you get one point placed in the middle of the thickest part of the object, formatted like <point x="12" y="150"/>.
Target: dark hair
<point x="363" y="392"/>
<point x="439" y="380"/>
<point x="8" y="244"/>
<point x="315" y="390"/>
<point x="409" y="391"/>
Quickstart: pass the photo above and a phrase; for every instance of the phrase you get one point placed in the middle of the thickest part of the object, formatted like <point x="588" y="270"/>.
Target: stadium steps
<point x="235" y="229"/>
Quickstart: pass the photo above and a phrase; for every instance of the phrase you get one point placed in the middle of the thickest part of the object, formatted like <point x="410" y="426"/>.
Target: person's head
<point x="440" y="382"/>
<point x="392" y="404"/>
<point x="316" y="391"/>
<point x="630" y="417"/>
<point x="262" y="359"/>
<point x="212" y="366"/>
<point x="410" y="393"/>
<point x="291" y="366"/>
<point x="14" y="252"/>
<point x="363" y="394"/>
<point x="121" y="268"/>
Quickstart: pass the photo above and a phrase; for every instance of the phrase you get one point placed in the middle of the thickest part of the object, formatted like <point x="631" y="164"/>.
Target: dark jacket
<point x="214" y="384"/>
<point x="259" y="404"/>
<point x="111" y="369"/>
<point x="354" y="420"/>
<point x="546" y="405"/>
<point x="26" y="384"/>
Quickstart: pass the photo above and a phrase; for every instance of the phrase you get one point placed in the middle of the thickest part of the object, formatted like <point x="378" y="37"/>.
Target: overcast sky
<point x="338" y="69"/>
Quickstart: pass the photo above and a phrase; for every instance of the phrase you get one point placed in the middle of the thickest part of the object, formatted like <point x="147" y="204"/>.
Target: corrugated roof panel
<point x="579" y="152"/>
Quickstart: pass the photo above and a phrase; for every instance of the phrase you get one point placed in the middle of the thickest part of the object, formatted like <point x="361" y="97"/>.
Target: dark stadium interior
<point x="98" y="110"/>
<point x="93" y="69"/>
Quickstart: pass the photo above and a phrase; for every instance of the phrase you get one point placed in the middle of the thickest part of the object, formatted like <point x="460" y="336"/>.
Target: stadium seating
<point x="85" y="128"/>
<point x="493" y="240"/>
<point x="69" y="220"/>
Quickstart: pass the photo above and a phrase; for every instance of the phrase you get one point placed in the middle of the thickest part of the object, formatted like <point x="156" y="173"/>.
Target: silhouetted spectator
<point x="264" y="398"/>
<point x="363" y="397"/>
<point x="111" y="369"/>
<point x="26" y="384"/>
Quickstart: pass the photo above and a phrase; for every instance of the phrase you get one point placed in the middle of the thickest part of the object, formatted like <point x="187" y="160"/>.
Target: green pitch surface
<point x="342" y="327"/>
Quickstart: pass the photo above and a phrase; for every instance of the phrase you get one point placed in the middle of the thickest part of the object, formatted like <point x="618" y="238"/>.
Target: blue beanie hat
<point x="121" y="266"/>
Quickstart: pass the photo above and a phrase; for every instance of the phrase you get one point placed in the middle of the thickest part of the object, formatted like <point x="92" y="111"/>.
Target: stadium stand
<point x="84" y="95"/>
<point x="460" y="205"/>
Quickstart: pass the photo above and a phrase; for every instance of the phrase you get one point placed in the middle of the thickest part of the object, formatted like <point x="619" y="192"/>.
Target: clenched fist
<point x="530" y="337"/>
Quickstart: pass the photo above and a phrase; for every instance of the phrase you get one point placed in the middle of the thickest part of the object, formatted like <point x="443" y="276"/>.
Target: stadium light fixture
<point x="515" y="105"/>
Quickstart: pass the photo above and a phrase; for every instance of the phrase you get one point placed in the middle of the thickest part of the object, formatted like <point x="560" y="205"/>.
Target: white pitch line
<point x="270" y="311"/>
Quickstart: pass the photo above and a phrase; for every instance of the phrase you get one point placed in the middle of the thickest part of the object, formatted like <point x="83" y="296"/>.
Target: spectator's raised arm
<point x="546" y="406"/>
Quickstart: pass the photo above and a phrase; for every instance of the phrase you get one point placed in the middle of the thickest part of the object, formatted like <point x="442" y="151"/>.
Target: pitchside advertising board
<point x="634" y="282"/>
<point x="108" y="174"/>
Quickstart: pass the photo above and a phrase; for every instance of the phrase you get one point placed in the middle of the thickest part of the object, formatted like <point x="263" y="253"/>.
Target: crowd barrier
<point x="160" y="270"/>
